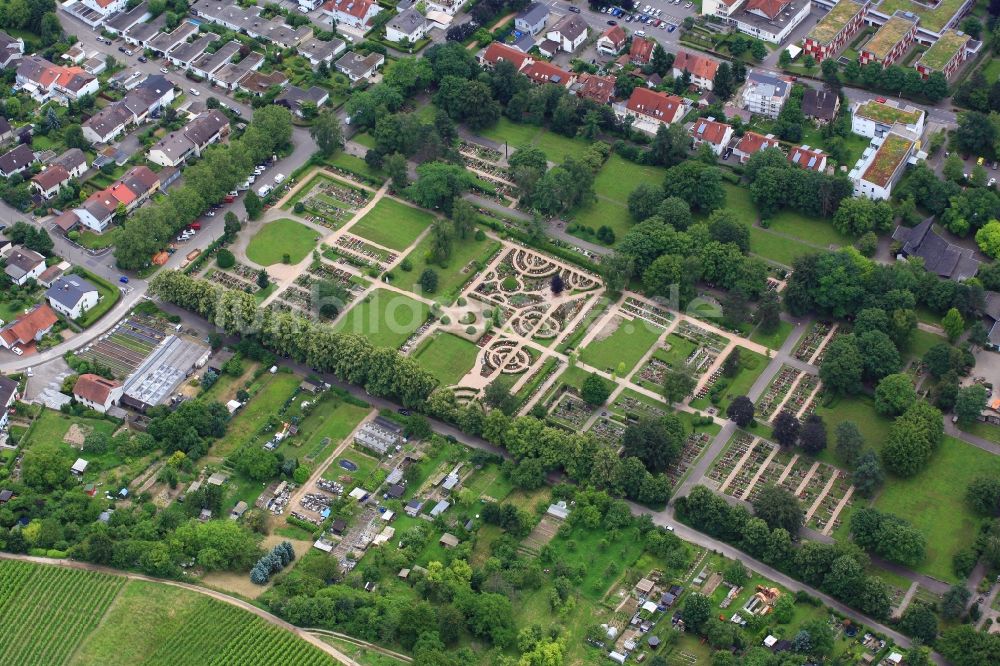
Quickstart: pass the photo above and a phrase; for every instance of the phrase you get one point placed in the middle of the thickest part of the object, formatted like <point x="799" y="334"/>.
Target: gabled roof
<point x="18" y="158"/>
<point x="534" y="13"/>
<point x="356" y="8"/>
<point x="752" y="142"/>
<point x="26" y="327"/>
<point x="109" y="118"/>
<point x="654" y="104"/>
<point x="697" y="65"/>
<point x="769" y="8"/>
<point x="259" y="83"/>
<point x="945" y="259"/>
<point x="101" y="204"/>
<point x="94" y="388"/>
<point x="201" y="130"/>
<point x="69" y="290"/>
<point x="24" y="260"/>
<point x="614" y="34"/>
<point x="642" y="50"/>
<point x="570" y="27"/>
<point x="599" y="89"/>
<point x="407" y="22"/>
<point x="544" y="72"/>
<point x="140" y="180"/>
<point x="8" y="389"/>
<point x="71" y="159"/>
<point x="806" y="157"/>
<point x="820" y="104"/>
<point x="496" y="52"/>
<point x="712" y="131"/>
<point x="51" y="177"/>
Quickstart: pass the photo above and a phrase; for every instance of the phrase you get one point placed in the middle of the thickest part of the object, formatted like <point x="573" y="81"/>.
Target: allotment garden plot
<point x="126" y="345"/>
<point x="749" y="464"/>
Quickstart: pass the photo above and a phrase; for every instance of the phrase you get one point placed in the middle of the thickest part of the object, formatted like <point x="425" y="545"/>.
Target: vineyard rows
<point x="48" y="611"/>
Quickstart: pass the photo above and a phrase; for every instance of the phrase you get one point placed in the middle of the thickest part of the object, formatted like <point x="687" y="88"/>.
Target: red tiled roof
<point x="654" y="104"/>
<point x="709" y="130"/>
<point x="26" y="327"/>
<point x="615" y="34"/>
<point x="801" y="155"/>
<point x="94" y="388"/>
<point x="696" y="65"/>
<point x="769" y="8"/>
<point x="122" y="193"/>
<point x="496" y="52"/>
<point x="641" y="51"/>
<point x="596" y="88"/>
<point x="751" y="142"/>
<point x="543" y="72"/>
<point x="356" y="8"/>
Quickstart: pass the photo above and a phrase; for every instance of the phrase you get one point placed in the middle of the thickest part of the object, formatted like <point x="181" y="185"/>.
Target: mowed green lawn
<point x="392" y="224"/>
<point x="52" y="426"/>
<point x="276" y="239"/>
<point x="385" y="317"/>
<point x="861" y="411"/>
<point x="811" y="231"/>
<point x="934" y="501"/>
<point x="555" y="146"/>
<point x="602" y="213"/>
<point x="773" y="340"/>
<point x="779" y="249"/>
<point x="626" y="344"/>
<point x="618" y="177"/>
<point x="451" y="277"/>
<point x="447" y="357"/>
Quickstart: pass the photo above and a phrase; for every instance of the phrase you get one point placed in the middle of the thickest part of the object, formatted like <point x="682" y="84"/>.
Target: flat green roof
<point x="893" y="151"/>
<point x="888" y="36"/>
<point x="931" y="18"/>
<point x="943" y="50"/>
<point x="887" y="114"/>
<point x="835" y="20"/>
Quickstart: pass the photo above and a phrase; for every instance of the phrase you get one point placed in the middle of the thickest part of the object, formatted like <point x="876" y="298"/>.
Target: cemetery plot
<point x="799" y="398"/>
<point x="654" y="314"/>
<point x="694" y="446"/>
<point x="507" y="355"/>
<point x="365" y="252"/>
<point x="127" y="345"/>
<point x="813" y="342"/>
<point x="827" y="515"/>
<point x="739" y="448"/>
<point x="771" y="473"/>
<point x="330" y="202"/>
<point x="570" y="410"/>
<point x="608" y="431"/>
<point x="776" y="391"/>
<point x="745" y="474"/>
<point x="632" y="407"/>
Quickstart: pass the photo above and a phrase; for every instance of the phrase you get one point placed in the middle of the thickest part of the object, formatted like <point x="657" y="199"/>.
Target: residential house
<point x="545" y="72"/>
<point x="45" y="81"/>
<point x="448" y="8"/>
<point x="764" y="93"/>
<point x="769" y="20"/>
<point x="11" y="50"/>
<point x="16" y="160"/>
<point x="355" y="13"/>
<point x="147" y="99"/>
<point x="832" y="32"/>
<point x="945" y="55"/>
<point x="891" y="41"/>
<point x="184" y="54"/>
<point x="569" y="32"/>
<point x="531" y="20"/>
<point x="751" y="143"/>
<point x="74" y="161"/>
<point x="820" y="105"/>
<point x="135" y="187"/>
<point x="52" y="273"/>
<point x="715" y="134"/>
<point x="941" y="257"/>
<point x="293" y="98"/>
<point x="641" y="51"/>
<point x="8" y="396"/>
<point x="357" y="67"/>
<point x="75" y="55"/>
<point x="163" y="42"/>
<point x="140" y="33"/>
<point x="6" y="131"/>
<point x="209" y="63"/>
<point x="497" y="52"/>
<point x="23" y="265"/>
<point x="107" y="124"/>
<point x="882" y="165"/>
<point x="700" y="68"/>
<point x="121" y="22"/>
<point x="106" y="7"/>
<point x="650" y="109"/>
<point x="95" y="64"/>
<point x="409" y="25"/>
<point x="175" y="148"/>
<point x="317" y="51"/>
<point x="598" y="89"/>
<point x="48" y="182"/>
<point x="256" y="83"/>
<point x="96" y="212"/>
<point x="28" y="328"/>
<point x="611" y="41"/>
<point x="877" y="117"/>
<point x="230" y="74"/>
<point x="812" y="159"/>
<point x="72" y="295"/>
<point x="250" y="21"/>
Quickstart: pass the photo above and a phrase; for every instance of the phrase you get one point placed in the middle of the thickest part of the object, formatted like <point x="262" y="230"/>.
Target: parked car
<point x="164" y="70"/>
<point x="17" y="350"/>
<point x="575" y="10"/>
<point x="612" y="22"/>
<point x="196" y="226"/>
<point x="143" y="59"/>
<point x="123" y="279"/>
<point x="194" y="92"/>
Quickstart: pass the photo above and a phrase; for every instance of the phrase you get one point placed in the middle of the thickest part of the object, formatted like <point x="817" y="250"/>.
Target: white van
<point x="279" y="179"/>
<point x="264" y="191"/>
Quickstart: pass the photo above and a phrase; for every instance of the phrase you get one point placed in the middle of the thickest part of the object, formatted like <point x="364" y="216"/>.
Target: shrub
<point x="509" y="283"/>
<point x="225" y="259"/>
<point x="471" y="330"/>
